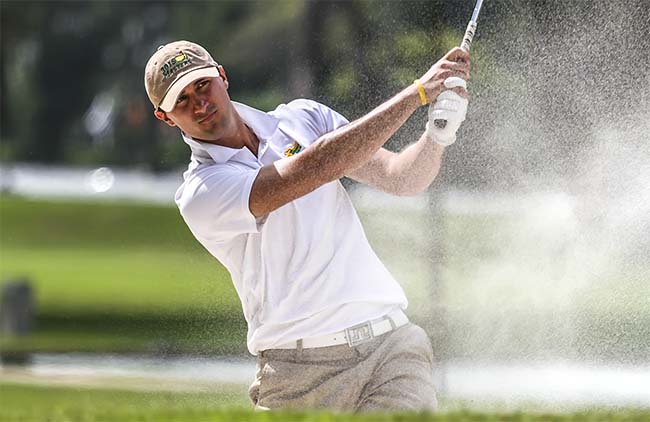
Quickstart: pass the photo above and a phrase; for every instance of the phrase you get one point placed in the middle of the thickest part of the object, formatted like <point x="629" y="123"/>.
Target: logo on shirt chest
<point x="293" y="150"/>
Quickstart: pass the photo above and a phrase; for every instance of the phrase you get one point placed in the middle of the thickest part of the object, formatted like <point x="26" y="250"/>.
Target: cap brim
<point x="169" y="101"/>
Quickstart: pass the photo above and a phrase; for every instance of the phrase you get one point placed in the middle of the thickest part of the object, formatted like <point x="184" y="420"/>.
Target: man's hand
<point x="445" y="89"/>
<point x="454" y="63"/>
<point x="451" y="108"/>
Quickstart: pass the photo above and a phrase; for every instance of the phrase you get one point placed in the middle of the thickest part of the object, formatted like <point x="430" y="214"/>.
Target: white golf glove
<point x="449" y="107"/>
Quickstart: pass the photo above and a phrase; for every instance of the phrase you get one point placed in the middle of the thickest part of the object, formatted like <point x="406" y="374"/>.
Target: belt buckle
<point x="359" y="334"/>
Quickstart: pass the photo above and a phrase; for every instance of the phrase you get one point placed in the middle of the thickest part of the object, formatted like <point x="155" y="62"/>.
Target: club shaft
<point x="469" y="36"/>
<point x="471" y="27"/>
<point x="465" y="45"/>
<point x="477" y="10"/>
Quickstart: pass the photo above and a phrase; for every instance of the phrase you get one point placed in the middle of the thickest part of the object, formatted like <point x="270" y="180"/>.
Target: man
<point x="261" y="194"/>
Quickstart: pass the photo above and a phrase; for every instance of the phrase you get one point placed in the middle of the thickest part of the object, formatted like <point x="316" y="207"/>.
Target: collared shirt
<point x="303" y="270"/>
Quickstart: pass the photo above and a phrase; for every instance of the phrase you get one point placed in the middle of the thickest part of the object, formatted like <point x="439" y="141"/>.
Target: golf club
<point x="465" y="45"/>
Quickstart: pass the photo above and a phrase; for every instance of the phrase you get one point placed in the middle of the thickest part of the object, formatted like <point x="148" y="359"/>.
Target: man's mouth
<point x="209" y="117"/>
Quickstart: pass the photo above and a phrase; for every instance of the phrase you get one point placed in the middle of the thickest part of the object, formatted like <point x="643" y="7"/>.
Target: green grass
<point x="128" y="280"/>
<point x="228" y="404"/>
<point x="221" y="333"/>
<point x="116" y="277"/>
<point x="33" y="403"/>
<point x="64" y="224"/>
<point x="117" y="258"/>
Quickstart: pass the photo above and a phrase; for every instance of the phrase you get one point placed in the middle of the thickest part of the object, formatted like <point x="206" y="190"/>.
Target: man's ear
<point x="161" y="115"/>
<point x="222" y="72"/>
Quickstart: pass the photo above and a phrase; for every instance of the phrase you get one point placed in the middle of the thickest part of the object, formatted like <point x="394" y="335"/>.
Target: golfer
<point x="262" y="194"/>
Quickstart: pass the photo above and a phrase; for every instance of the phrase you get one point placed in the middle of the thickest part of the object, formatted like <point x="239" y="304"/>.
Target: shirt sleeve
<point x="214" y="202"/>
<point x="310" y="119"/>
<point x="331" y="119"/>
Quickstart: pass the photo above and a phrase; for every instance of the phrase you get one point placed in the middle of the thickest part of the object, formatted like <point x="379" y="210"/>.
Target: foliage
<point x="547" y="76"/>
<point x="74" y="70"/>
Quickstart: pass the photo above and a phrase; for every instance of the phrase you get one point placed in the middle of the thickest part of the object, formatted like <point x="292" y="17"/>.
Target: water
<point x="549" y="385"/>
<point x="92" y="183"/>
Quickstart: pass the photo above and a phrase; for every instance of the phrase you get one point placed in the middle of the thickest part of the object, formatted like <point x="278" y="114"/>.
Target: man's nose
<point x="200" y="104"/>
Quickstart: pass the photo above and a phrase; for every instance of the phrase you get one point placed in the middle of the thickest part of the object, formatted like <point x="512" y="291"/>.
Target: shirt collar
<point x="263" y="124"/>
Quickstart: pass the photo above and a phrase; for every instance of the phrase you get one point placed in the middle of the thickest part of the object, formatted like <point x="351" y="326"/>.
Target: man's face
<point x="203" y="109"/>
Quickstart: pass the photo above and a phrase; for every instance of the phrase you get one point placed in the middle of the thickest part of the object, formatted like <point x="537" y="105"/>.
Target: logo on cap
<point x="175" y="64"/>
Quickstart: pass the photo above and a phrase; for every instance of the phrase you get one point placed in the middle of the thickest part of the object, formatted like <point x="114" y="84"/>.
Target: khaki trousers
<point x="393" y="372"/>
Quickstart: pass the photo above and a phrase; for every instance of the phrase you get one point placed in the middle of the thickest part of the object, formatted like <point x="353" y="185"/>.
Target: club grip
<point x="469" y="36"/>
<point x="465" y="45"/>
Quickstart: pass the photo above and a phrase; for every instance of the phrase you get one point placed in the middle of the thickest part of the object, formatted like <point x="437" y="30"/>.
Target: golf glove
<point x="449" y="107"/>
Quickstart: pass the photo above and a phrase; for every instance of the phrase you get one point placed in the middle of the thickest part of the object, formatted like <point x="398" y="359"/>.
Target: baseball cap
<point x="172" y="67"/>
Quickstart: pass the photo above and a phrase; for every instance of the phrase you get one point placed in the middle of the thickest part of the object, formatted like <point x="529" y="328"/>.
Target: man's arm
<point x="331" y="156"/>
<point x="412" y="170"/>
<point x="348" y="148"/>
<point x="406" y="173"/>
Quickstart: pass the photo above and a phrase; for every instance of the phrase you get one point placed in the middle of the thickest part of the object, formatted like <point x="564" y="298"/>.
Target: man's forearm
<point x="351" y="146"/>
<point x="406" y="173"/>
<point x="415" y="168"/>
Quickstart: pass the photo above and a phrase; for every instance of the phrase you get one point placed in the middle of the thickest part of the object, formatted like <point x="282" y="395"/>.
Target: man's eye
<point x="180" y="99"/>
<point x="203" y="83"/>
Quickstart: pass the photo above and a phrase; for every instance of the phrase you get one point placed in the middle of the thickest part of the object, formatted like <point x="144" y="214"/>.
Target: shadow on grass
<point x="160" y="335"/>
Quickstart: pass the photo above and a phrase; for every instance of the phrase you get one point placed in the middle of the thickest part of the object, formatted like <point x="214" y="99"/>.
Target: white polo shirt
<point x="305" y="269"/>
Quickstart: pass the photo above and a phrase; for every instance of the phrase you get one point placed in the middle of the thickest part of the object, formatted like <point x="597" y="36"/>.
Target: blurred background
<point x="526" y="261"/>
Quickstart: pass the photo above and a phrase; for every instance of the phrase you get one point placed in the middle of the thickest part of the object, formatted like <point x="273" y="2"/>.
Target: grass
<point x="105" y="280"/>
<point x="228" y="404"/>
<point x="109" y="257"/>
<point x="115" y="258"/>
<point x="63" y="224"/>
<point x="33" y="403"/>
<point x="222" y="333"/>
<point x="128" y="280"/>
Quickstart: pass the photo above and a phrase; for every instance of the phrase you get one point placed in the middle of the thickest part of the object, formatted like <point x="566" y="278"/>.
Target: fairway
<point x="122" y="259"/>
<point x="116" y="277"/>
<point x="32" y="403"/>
<point x="229" y="404"/>
<point x="127" y="280"/>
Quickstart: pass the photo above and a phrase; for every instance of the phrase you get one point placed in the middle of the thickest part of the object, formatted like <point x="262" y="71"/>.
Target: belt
<point x="352" y="336"/>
